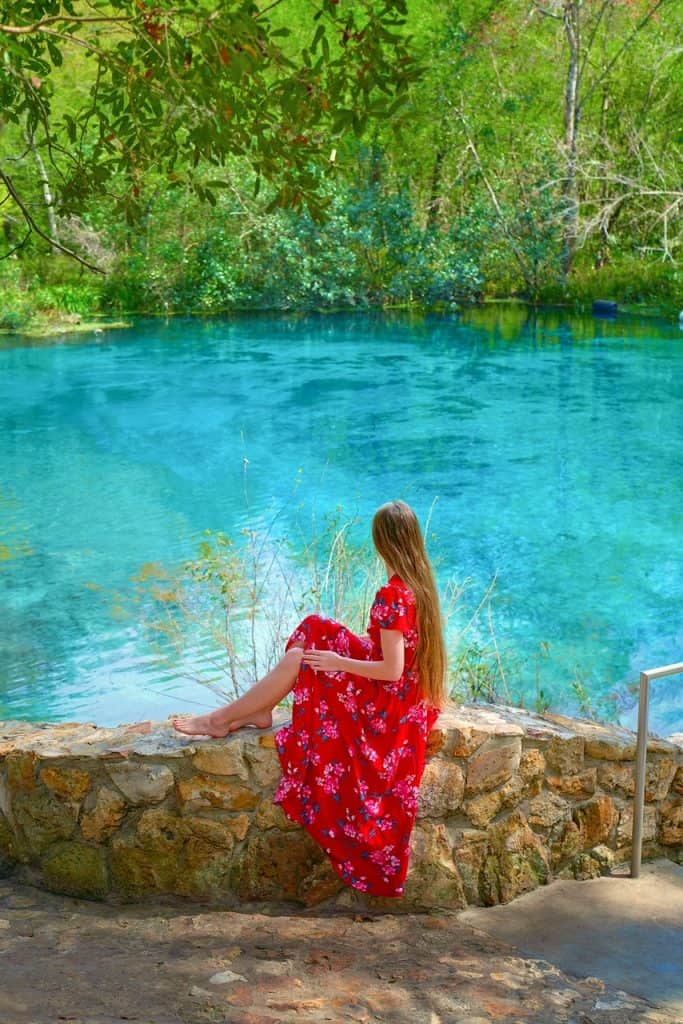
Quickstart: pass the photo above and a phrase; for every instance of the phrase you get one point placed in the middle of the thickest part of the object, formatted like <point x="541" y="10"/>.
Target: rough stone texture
<point x="142" y="783"/>
<point x="672" y="823"/>
<point x="597" y="820"/>
<point x="442" y="790"/>
<point x="43" y="818"/>
<point x="434" y="880"/>
<point x="105" y="816"/>
<point x="579" y="784"/>
<point x="493" y="763"/>
<point x="71" y="783"/>
<point x="516" y="860"/>
<point x="532" y="764"/>
<point x="547" y="809"/>
<point x="625" y="827"/>
<point x="204" y="791"/>
<point x="76" y="869"/>
<point x="509" y="799"/>
<point x="224" y="760"/>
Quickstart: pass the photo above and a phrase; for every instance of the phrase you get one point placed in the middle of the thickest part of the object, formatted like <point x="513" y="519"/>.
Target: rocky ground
<point x="66" y="959"/>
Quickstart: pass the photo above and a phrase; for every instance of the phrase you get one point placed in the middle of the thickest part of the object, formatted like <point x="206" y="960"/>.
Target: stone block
<point x="511" y="792"/>
<point x="270" y="815"/>
<point x="238" y="824"/>
<point x="20" y="768"/>
<point x="611" y="748"/>
<point x="264" y="763"/>
<point x="267" y="739"/>
<point x="597" y="820"/>
<point x="205" y="869"/>
<point x="433" y="879"/>
<point x="569" y="844"/>
<point x="659" y="774"/>
<point x="468" y="726"/>
<point x="71" y="783"/>
<point x="220" y="834"/>
<point x="547" y="809"/>
<point x="625" y="826"/>
<point x="565" y="754"/>
<point x="482" y="809"/>
<point x="603" y="742"/>
<point x="135" y="874"/>
<point x="441" y="790"/>
<point x="8" y="853"/>
<point x="5" y="797"/>
<point x="436" y="742"/>
<point x="223" y="757"/>
<point x="276" y="865"/>
<point x="44" y="818"/>
<point x="579" y="784"/>
<point x="532" y="764"/>
<point x="492" y="764"/>
<point x="604" y="856"/>
<point x="322" y="883"/>
<point x="582" y="867"/>
<point x="672" y="823"/>
<point x="76" y="869"/>
<point x="102" y="820"/>
<point x="141" y="783"/>
<point x="469" y="854"/>
<point x="677" y="784"/>
<point x="516" y="861"/>
<point x="208" y="791"/>
<point x="617" y="776"/>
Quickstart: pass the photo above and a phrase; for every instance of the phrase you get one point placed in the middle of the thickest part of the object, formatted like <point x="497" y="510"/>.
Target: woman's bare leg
<point x="253" y="708"/>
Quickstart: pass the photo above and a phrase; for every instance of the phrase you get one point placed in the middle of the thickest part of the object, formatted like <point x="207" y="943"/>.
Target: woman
<point x="354" y="754"/>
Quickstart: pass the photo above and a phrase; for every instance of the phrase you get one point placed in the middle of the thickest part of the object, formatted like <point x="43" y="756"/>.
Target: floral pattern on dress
<point x="354" y="755"/>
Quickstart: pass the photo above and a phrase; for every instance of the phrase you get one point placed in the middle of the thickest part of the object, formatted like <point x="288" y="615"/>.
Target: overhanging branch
<point x="33" y="227"/>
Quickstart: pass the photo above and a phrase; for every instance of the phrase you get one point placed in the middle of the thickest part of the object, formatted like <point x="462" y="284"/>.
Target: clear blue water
<point x="553" y="444"/>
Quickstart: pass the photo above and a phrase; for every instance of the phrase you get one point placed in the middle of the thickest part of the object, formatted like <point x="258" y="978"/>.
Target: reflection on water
<point x="552" y="443"/>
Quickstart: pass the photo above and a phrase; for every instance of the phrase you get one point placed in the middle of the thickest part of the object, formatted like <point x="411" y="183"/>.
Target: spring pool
<point x="552" y="444"/>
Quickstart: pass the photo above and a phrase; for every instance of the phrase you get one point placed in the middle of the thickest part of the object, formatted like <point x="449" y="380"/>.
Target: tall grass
<point x="226" y="613"/>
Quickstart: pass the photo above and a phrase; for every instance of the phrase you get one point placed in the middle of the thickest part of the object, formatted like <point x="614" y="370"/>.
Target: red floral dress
<point x="354" y="754"/>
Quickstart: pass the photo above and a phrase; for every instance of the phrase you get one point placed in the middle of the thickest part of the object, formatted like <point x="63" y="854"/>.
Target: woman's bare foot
<point x="206" y="725"/>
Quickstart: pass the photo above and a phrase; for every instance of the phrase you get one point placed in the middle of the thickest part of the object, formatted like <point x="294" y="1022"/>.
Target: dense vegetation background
<point x="530" y="149"/>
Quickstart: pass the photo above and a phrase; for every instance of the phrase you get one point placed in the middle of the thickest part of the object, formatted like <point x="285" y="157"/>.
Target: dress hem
<point x="291" y="815"/>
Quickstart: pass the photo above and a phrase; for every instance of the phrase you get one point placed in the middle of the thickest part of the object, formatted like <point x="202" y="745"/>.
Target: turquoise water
<point x="553" y="445"/>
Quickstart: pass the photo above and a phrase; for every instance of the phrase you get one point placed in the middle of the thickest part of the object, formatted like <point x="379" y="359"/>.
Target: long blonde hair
<point x="398" y="539"/>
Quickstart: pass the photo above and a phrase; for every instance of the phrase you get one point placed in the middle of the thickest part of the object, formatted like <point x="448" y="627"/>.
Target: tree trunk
<point x="47" y="192"/>
<point x="435" y="197"/>
<point x="572" y="115"/>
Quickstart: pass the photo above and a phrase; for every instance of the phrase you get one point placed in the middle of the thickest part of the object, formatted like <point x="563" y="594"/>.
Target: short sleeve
<point x="391" y="610"/>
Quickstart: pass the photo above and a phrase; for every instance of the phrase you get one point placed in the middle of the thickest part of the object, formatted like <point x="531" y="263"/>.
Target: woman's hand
<point x="324" y="661"/>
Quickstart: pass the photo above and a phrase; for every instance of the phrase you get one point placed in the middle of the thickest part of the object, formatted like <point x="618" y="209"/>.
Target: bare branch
<point x="28" y="217"/>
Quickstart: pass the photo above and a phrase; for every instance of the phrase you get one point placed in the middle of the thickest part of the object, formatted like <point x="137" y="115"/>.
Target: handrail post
<point x="639" y="794"/>
<point x="641" y="759"/>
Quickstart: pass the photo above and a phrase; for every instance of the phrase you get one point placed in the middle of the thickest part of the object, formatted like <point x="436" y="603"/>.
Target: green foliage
<point x="182" y="87"/>
<point x="305" y="164"/>
<point x="629" y="279"/>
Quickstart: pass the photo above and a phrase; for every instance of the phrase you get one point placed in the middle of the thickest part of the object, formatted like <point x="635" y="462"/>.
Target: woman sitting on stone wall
<point x="354" y="754"/>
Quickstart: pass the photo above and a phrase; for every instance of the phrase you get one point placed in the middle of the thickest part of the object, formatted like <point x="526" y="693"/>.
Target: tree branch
<point x="28" y="217"/>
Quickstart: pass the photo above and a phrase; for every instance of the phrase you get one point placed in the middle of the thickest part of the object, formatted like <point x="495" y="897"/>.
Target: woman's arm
<point x="390" y="668"/>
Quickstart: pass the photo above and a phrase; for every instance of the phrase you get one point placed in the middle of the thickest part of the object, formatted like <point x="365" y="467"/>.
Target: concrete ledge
<point x="509" y="800"/>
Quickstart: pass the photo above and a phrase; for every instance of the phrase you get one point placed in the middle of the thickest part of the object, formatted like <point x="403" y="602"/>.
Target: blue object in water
<point x="603" y="307"/>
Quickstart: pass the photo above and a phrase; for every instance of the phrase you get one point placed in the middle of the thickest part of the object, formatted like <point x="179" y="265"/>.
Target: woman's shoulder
<point x="396" y="586"/>
<point x="393" y="602"/>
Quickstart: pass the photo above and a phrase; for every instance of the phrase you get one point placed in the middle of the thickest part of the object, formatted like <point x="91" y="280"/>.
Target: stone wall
<point x="509" y="801"/>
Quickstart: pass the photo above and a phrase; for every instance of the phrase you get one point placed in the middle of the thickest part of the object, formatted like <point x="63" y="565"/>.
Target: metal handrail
<point x="641" y="754"/>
